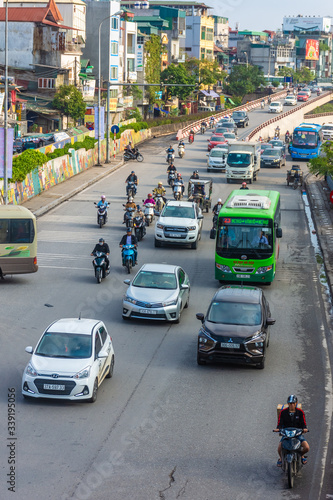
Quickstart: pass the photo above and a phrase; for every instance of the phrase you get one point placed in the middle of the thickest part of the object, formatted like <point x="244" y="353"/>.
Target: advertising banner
<point x="312" y="50"/>
<point x="88" y="89"/>
<point x="10" y="140"/>
<point x="97" y="122"/>
<point x="139" y="57"/>
<point x="113" y="104"/>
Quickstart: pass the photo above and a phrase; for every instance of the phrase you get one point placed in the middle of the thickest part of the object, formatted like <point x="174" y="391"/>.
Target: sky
<point x="258" y="15"/>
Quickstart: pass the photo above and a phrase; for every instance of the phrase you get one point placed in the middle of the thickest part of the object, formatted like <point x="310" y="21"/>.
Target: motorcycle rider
<point x="277" y="132"/>
<point x="129" y="149"/>
<point x="103" y="202"/>
<point x="170" y="151"/>
<point x="203" y="126"/>
<point x="191" y="135"/>
<point x="171" y="168"/>
<point x="180" y="180"/>
<point x="181" y="143"/>
<point x="211" y="121"/>
<point x="195" y="174"/>
<point x="293" y="417"/>
<point x="130" y="239"/>
<point x="103" y="247"/>
<point x="130" y="204"/>
<point x="217" y="207"/>
<point x="138" y="212"/>
<point x="131" y="178"/>
<point x="244" y="186"/>
<point x="160" y="190"/>
<point x="149" y="199"/>
<point x="287" y="137"/>
<point x="262" y="103"/>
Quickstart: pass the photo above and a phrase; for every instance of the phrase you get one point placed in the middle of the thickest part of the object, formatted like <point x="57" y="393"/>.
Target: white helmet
<point x="219" y="201"/>
<point x="130" y="199"/>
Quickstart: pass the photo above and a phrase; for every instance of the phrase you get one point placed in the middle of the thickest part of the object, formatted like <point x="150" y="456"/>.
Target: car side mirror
<point x="207" y="154"/>
<point x="200" y="217"/>
<point x="184" y="287"/>
<point x="127" y="282"/>
<point x="279" y="232"/>
<point x="270" y="321"/>
<point x="200" y="317"/>
<point x="103" y="354"/>
<point x="95" y="203"/>
<point x="255" y="159"/>
<point x="29" y="349"/>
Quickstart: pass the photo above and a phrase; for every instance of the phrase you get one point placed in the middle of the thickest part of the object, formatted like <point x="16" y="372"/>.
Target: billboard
<point x="10" y="140"/>
<point x="322" y="24"/>
<point x="312" y="50"/>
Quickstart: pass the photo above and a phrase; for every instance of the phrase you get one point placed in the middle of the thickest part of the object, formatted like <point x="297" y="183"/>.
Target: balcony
<point x="73" y="48"/>
<point x="178" y="33"/>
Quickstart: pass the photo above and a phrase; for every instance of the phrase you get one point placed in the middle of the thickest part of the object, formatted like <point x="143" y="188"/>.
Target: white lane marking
<point x="65" y="267"/>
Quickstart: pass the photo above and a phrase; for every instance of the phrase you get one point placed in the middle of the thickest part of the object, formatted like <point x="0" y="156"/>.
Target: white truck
<point x="243" y="161"/>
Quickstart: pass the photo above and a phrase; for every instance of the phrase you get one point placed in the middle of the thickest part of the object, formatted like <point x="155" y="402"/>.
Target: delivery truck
<point x="243" y="161"/>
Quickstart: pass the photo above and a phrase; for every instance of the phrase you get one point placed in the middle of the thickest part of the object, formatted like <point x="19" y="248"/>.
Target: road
<point x="163" y="427"/>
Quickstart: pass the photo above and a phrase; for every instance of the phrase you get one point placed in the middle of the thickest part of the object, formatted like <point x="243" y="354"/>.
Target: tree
<point x="286" y="71"/>
<point x="153" y="51"/>
<point x="244" y="79"/>
<point x="70" y="102"/>
<point x="205" y="72"/>
<point x="303" y="75"/>
<point x="178" y="74"/>
<point x="323" y="165"/>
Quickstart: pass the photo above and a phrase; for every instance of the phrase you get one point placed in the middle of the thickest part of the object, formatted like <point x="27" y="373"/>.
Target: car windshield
<point x="178" y="212"/>
<point x="272" y="152"/>
<point x="229" y="135"/>
<point x="276" y="143"/>
<point x="218" y="152"/>
<point x="239" y="159"/>
<point x="228" y="125"/>
<point x="275" y="104"/>
<point x="238" y="114"/>
<point x="302" y="93"/>
<point x="64" y="345"/>
<point x="265" y="146"/>
<point x="217" y="138"/>
<point x="234" y="313"/>
<point x="152" y="279"/>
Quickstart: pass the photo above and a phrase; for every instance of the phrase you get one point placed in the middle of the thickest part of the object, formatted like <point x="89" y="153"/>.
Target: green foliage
<point x="34" y="127"/>
<point x="205" y="72"/>
<point x="275" y="83"/>
<point x="133" y="113"/>
<point x="325" y="108"/>
<point x="153" y="50"/>
<point x="180" y="75"/>
<point x="87" y="143"/>
<point x="70" y="102"/>
<point x="244" y="80"/>
<point x="323" y="165"/>
<point x="236" y="100"/>
<point x="323" y="47"/>
<point x="131" y="126"/>
<point x="25" y="163"/>
<point x="135" y="91"/>
<point x="285" y="71"/>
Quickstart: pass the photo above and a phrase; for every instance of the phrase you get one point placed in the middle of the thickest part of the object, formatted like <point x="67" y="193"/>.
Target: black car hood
<point x="220" y="331"/>
<point x="269" y="157"/>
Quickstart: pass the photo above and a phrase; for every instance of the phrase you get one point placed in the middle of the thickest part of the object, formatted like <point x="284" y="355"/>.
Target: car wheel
<point x="194" y="245"/>
<point x="94" y="392"/>
<point x="157" y="243"/>
<point x="110" y="372"/>
<point x="200" y="361"/>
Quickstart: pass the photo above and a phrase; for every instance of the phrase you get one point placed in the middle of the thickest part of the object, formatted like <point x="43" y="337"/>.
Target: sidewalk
<point x="43" y="203"/>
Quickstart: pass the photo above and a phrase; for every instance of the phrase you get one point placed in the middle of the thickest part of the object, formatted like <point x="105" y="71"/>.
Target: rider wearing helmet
<point x="160" y="190"/>
<point x="103" y="202"/>
<point x="293" y="417"/>
<point x="103" y="247"/>
<point x="244" y="186"/>
<point x="130" y="204"/>
<point x="130" y="239"/>
<point x="217" y="207"/>
<point x="131" y="178"/>
<point x="195" y="174"/>
<point x="149" y="199"/>
<point x="180" y="180"/>
<point x="170" y="149"/>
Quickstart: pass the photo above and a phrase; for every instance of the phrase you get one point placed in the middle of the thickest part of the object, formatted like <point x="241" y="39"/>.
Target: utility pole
<point x="5" y="174"/>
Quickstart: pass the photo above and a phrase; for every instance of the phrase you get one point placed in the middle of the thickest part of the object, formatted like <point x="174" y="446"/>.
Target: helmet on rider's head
<point x="128" y="230"/>
<point x="132" y="172"/>
<point x="292" y="399"/>
<point x="130" y="199"/>
<point x="103" y="197"/>
<point x="179" y="175"/>
<point x="160" y="183"/>
<point x="101" y="240"/>
<point x="150" y="195"/>
<point x="244" y="184"/>
<point x="219" y="201"/>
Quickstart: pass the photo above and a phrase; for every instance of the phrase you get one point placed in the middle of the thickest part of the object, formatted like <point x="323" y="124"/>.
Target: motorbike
<point x="181" y="151"/>
<point x="139" y="227"/>
<point x="130" y="155"/>
<point x="149" y="213"/>
<point x="202" y="129"/>
<point x="287" y="139"/>
<point x="171" y="178"/>
<point x="262" y="104"/>
<point x="212" y="233"/>
<point x="170" y="157"/>
<point x="102" y="214"/>
<point x="99" y="264"/>
<point x="211" y="124"/>
<point x="129" y="217"/>
<point x="128" y="257"/>
<point x="131" y="189"/>
<point x="159" y="203"/>
<point x="297" y="182"/>
<point x="277" y="132"/>
<point x="190" y="138"/>
<point x="291" y="453"/>
<point x="177" y="190"/>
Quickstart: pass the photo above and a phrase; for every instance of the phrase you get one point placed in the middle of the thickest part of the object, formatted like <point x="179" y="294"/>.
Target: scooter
<point x="297" y="182"/>
<point x="129" y="217"/>
<point x="102" y="214"/>
<point x="190" y="138"/>
<point x="202" y="129"/>
<point x="159" y="203"/>
<point x="170" y="157"/>
<point x="99" y="264"/>
<point x="291" y="453"/>
<point x="177" y="190"/>
<point x="212" y="233"/>
<point x="172" y="178"/>
<point x="128" y="257"/>
<point x="181" y="151"/>
<point x="130" y="155"/>
<point x="131" y="189"/>
<point x="139" y="227"/>
<point x="149" y="213"/>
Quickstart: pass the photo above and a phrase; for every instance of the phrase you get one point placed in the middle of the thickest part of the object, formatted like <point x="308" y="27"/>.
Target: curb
<point x="43" y="210"/>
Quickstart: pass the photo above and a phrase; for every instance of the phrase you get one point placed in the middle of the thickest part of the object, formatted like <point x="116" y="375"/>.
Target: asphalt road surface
<point x="163" y="427"/>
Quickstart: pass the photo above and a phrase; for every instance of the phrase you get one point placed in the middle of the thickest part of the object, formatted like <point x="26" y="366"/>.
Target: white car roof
<point x="275" y="102"/>
<point x="73" y="325"/>
<point x="175" y="203"/>
<point x="159" y="268"/>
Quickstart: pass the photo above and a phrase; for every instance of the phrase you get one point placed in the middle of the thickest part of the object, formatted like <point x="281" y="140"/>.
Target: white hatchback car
<point x="275" y="107"/>
<point x="290" y="100"/>
<point x="70" y="361"/>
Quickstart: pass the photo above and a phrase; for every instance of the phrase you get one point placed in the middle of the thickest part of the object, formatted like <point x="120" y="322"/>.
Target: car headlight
<point x="276" y="160"/>
<point x="31" y="370"/>
<point x="264" y="269"/>
<point x="255" y="345"/>
<point x="224" y="269"/>
<point x="83" y="373"/>
<point x="206" y="343"/>
<point x="191" y="228"/>
<point x="130" y="299"/>
<point x="170" y="303"/>
<point x="160" y="226"/>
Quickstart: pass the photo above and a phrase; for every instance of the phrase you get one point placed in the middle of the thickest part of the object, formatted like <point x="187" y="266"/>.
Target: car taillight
<point x="35" y="260"/>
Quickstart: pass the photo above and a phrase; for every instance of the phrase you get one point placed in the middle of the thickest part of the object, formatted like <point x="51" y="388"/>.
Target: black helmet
<point x="292" y="399"/>
<point x="101" y="240"/>
<point x="128" y="230"/>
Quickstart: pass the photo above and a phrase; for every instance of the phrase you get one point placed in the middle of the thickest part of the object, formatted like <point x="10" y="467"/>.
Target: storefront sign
<point x="139" y="57"/>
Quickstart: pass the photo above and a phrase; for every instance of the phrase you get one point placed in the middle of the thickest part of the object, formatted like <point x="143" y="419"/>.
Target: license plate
<point x="147" y="311"/>
<point x="230" y="345"/>
<point x="243" y="276"/>
<point x="54" y="387"/>
<point x="175" y="235"/>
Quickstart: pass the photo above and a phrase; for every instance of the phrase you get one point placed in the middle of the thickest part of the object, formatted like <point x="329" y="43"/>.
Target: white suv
<point x="180" y="223"/>
<point x="275" y="107"/>
<point x="328" y="131"/>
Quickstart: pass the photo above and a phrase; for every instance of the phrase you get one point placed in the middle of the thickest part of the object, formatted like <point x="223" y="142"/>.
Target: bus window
<point x="21" y="231"/>
<point x="4" y="223"/>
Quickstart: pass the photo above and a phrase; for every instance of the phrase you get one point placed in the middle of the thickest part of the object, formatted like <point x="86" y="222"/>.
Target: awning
<point x="230" y="100"/>
<point x="211" y="93"/>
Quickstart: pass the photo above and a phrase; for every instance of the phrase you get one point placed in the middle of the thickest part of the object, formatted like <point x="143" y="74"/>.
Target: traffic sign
<point x="331" y="196"/>
<point x="114" y="129"/>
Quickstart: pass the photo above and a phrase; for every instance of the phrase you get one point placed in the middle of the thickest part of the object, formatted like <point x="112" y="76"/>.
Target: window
<point x="114" y="48"/>
<point x="181" y="277"/>
<point x="103" y="334"/>
<point x="114" y="72"/>
<point x="203" y="32"/>
<point x="46" y="83"/>
<point x="16" y="231"/>
<point x="98" y="344"/>
<point x="203" y="53"/>
<point x="130" y="65"/>
<point x="130" y="43"/>
<point x="209" y="34"/>
<point x="114" y="23"/>
<point x="209" y="55"/>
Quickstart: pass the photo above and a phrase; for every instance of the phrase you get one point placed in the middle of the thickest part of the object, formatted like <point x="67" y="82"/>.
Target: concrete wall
<point x="20" y="44"/>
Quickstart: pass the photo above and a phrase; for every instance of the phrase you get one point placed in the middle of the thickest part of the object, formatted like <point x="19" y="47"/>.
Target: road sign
<point x="114" y="129"/>
<point x="331" y="196"/>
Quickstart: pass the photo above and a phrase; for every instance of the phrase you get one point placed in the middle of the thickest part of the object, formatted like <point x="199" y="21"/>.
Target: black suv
<point x="240" y="118"/>
<point x="273" y="157"/>
<point x="236" y="327"/>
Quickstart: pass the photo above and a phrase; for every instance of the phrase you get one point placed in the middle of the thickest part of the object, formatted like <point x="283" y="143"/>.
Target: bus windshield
<point x="16" y="231"/>
<point x="239" y="159"/>
<point x="244" y="236"/>
<point x="305" y="139"/>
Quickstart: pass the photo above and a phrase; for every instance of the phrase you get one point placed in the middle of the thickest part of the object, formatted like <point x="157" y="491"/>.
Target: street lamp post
<point x="5" y="165"/>
<point x="247" y="59"/>
<point x="99" y="84"/>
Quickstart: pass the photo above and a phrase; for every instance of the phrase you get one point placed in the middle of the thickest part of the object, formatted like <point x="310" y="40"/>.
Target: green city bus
<point x="18" y="240"/>
<point x="247" y="236"/>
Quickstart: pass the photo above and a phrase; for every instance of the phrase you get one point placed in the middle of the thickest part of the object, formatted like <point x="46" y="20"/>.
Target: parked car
<point x="159" y="292"/>
<point x="273" y="157"/>
<point x="327" y="131"/>
<point x="214" y="141"/>
<point x="217" y="159"/>
<point x="275" y="107"/>
<point x="290" y="100"/>
<point x="180" y="223"/>
<point x="241" y="118"/>
<point x="302" y="96"/>
<point x="70" y="361"/>
<point x="236" y="327"/>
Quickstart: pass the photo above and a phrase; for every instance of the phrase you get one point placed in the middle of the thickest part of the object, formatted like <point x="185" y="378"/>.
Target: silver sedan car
<point x="159" y="292"/>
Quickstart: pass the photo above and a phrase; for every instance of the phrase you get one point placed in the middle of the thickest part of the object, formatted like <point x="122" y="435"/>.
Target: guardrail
<point x="284" y="115"/>
<point x="195" y="126"/>
<point x="319" y="114"/>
